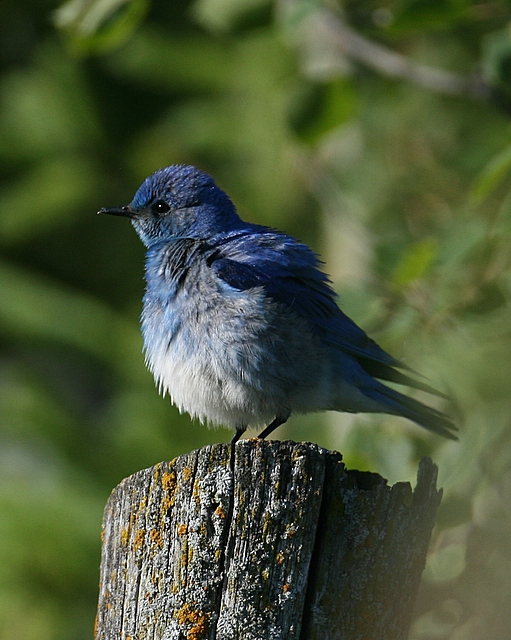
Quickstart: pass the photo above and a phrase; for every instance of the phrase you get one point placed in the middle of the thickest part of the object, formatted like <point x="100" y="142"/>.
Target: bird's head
<point x="178" y="202"/>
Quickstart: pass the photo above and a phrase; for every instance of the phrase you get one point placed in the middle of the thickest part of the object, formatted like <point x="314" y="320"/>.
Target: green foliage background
<point x="405" y="191"/>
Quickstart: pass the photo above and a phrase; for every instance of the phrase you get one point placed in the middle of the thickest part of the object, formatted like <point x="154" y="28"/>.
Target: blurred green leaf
<point x="496" y="58"/>
<point x="319" y="108"/>
<point x="492" y="175"/>
<point x="29" y="410"/>
<point x="45" y="110"/>
<point x="489" y="298"/>
<point x="446" y="563"/>
<point x="410" y="15"/>
<point x="48" y="195"/>
<point x="42" y="499"/>
<point x="415" y="262"/>
<point x="223" y="15"/>
<point x="99" y="25"/>
<point x="34" y="307"/>
<point x="164" y="61"/>
<point x="453" y="511"/>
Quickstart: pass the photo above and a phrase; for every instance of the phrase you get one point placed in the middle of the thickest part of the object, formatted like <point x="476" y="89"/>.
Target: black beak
<point x="126" y="211"/>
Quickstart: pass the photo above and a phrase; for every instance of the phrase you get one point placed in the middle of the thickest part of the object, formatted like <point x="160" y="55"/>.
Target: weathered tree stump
<point x="291" y="545"/>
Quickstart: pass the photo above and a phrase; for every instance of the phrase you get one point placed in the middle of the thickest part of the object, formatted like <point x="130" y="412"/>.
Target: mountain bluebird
<point x="240" y="326"/>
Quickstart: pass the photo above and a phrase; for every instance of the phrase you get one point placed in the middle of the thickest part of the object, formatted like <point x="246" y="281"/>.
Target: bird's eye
<point x="160" y="207"/>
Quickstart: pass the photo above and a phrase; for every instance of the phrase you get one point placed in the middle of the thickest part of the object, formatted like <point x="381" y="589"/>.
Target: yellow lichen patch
<point x="196" y="493"/>
<point x="156" y="538"/>
<point x="138" y="542"/>
<point x="220" y="512"/>
<point x="182" y="529"/>
<point x="187" y="474"/>
<point x="198" y="620"/>
<point x="169" y="484"/>
<point x="279" y="557"/>
<point x="125" y="537"/>
<point x="168" y="481"/>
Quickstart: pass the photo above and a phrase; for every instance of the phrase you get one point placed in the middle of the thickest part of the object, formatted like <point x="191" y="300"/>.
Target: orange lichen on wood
<point x="219" y="511"/>
<point x="156" y="538"/>
<point x="169" y="484"/>
<point x="138" y="542"/>
<point x="125" y="537"/>
<point x="187" y="615"/>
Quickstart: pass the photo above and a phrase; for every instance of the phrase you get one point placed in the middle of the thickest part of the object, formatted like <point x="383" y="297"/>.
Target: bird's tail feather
<point x="398" y="404"/>
<point x="387" y="372"/>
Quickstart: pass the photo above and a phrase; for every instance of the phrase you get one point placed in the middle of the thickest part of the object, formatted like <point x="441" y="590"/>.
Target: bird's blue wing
<point x="288" y="271"/>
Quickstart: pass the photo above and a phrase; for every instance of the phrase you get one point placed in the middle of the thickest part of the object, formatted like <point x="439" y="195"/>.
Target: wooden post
<point x="281" y="542"/>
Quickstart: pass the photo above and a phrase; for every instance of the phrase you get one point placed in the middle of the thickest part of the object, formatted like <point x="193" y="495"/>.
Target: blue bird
<point x="240" y="326"/>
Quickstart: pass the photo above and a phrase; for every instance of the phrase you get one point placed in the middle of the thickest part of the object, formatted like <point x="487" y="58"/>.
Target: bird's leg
<point x="272" y="426"/>
<point x="237" y="434"/>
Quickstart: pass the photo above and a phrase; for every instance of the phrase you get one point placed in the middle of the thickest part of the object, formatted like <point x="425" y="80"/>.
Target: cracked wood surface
<point x="279" y="542"/>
